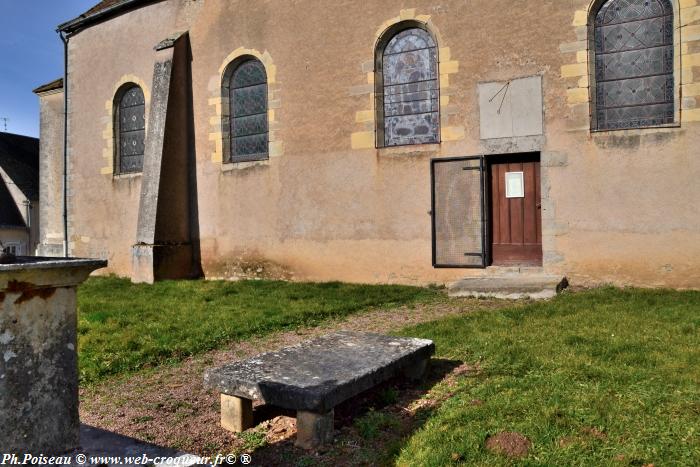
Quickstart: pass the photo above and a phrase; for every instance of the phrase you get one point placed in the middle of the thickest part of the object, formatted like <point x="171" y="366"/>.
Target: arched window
<point x="407" y="87"/>
<point x="245" y="117"/>
<point x="129" y="129"/>
<point x="634" y="84"/>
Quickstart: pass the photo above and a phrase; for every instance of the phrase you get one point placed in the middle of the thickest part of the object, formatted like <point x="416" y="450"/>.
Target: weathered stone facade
<point x="51" y="169"/>
<point x="617" y="206"/>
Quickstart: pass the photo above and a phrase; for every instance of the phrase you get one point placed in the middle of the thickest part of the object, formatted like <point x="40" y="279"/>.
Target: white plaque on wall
<point x="515" y="185"/>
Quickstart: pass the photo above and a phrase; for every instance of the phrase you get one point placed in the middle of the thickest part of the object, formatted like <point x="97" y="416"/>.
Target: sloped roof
<point x="103" y="5"/>
<point x="55" y="84"/>
<point x="102" y="11"/>
<point x="19" y="158"/>
<point x="9" y="214"/>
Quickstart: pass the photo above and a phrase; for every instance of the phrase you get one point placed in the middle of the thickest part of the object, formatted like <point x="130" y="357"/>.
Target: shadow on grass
<point x="370" y="428"/>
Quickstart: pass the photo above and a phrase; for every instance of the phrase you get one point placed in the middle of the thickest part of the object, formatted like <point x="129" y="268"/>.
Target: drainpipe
<point x="64" y="38"/>
<point x="28" y="213"/>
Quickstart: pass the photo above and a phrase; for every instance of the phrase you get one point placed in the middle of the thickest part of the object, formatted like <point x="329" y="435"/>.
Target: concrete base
<point x="236" y="413"/>
<point x="314" y="429"/>
<point x="510" y="283"/>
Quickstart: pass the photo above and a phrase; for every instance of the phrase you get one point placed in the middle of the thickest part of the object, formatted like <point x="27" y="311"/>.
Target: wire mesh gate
<point x="459" y="212"/>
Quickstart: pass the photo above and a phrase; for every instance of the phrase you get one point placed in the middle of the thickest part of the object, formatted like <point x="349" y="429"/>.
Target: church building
<point x="378" y="141"/>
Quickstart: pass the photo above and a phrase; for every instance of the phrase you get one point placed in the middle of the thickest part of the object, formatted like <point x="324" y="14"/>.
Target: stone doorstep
<point x="510" y="285"/>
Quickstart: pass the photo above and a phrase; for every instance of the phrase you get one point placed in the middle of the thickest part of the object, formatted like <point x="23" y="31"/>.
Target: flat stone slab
<point x="319" y="374"/>
<point x="510" y="286"/>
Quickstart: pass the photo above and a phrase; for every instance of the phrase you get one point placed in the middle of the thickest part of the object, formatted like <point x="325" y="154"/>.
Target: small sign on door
<point x="515" y="185"/>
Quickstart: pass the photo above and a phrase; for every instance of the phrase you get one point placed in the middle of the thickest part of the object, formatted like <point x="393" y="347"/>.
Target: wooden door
<point x="516" y="220"/>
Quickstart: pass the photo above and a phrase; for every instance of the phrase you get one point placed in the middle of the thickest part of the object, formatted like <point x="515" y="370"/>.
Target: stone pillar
<point x="50" y="223"/>
<point x="38" y="354"/>
<point x="164" y="240"/>
<point x="236" y="413"/>
<point x="314" y="429"/>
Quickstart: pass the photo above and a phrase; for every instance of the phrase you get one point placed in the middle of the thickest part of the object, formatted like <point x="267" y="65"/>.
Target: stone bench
<point x="313" y="377"/>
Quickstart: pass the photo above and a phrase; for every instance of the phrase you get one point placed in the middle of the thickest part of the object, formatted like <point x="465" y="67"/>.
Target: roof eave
<point x="51" y="87"/>
<point x="82" y="21"/>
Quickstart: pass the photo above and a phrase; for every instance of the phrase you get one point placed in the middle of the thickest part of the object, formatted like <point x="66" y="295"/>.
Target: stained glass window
<point x="408" y="101"/>
<point x="248" y="112"/>
<point x="131" y="135"/>
<point x="634" y="64"/>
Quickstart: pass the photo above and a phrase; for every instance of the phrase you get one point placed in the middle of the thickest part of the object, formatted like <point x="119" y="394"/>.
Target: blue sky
<point x="32" y="54"/>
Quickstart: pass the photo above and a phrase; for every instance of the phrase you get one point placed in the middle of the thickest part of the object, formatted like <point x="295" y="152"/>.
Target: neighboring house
<point x="19" y="193"/>
<point x="382" y="141"/>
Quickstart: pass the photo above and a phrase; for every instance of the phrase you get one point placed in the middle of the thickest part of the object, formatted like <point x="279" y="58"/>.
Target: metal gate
<point x="458" y="212"/>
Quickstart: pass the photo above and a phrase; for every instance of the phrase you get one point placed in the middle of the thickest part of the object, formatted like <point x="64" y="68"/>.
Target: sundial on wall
<point x="511" y="108"/>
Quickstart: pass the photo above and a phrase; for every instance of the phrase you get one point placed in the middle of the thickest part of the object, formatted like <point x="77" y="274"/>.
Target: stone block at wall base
<point x="51" y="250"/>
<point x="151" y="263"/>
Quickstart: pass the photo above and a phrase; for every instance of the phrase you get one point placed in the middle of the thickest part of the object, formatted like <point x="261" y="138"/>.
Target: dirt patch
<point x="595" y="433"/>
<point x="509" y="443"/>
<point x="249" y="266"/>
<point x="466" y="369"/>
<point x="278" y="429"/>
<point x="566" y="441"/>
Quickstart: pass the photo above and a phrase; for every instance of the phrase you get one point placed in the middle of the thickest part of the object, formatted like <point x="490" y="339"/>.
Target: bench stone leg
<point x="417" y="371"/>
<point x="236" y="413"/>
<point x="314" y="429"/>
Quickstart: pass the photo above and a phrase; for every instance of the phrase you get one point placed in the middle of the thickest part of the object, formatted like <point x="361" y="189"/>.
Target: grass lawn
<point x="124" y="327"/>
<point x="604" y="377"/>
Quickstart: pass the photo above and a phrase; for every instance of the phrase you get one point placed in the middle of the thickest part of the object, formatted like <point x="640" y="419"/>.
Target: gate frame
<point x="484" y="255"/>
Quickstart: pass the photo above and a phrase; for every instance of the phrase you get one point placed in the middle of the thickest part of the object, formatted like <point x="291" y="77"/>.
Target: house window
<point x="245" y="122"/>
<point x="130" y="129"/>
<point x="634" y="84"/>
<point x="407" y="87"/>
<point x="14" y="248"/>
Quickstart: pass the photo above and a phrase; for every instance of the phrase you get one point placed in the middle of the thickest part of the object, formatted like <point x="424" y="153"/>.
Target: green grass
<point x="605" y="377"/>
<point x="124" y="327"/>
<point x="371" y="423"/>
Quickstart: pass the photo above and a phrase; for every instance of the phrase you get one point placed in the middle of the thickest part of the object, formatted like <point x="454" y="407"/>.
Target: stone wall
<point x="50" y="212"/>
<point x="327" y="204"/>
